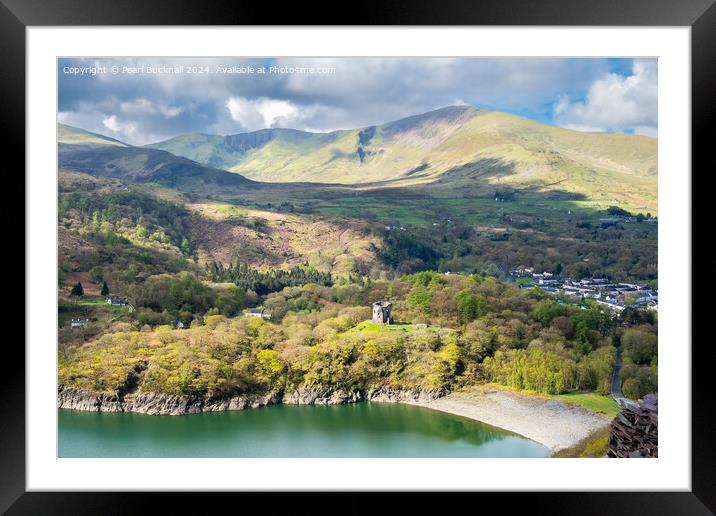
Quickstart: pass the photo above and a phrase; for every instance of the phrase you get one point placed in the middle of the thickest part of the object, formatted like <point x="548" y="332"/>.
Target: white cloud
<point x="137" y="106"/>
<point x="127" y="130"/>
<point x="615" y="103"/>
<point x="171" y="111"/>
<point x="585" y="128"/>
<point x="144" y="107"/>
<point x="262" y="112"/>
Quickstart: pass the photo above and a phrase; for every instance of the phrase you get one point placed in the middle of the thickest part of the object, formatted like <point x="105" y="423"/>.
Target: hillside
<point x="101" y="156"/>
<point x="458" y="147"/>
<point x="97" y="214"/>
<point x="318" y="337"/>
<point x="226" y="151"/>
<point x="69" y="135"/>
<point x="540" y="208"/>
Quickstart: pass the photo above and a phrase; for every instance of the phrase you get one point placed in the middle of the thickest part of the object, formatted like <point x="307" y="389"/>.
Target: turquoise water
<point x="356" y="430"/>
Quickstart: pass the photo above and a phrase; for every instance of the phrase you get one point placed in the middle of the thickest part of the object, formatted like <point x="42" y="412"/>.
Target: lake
<point x="354" y="430"/>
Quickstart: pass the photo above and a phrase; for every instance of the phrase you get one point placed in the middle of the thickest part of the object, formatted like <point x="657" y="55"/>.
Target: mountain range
<point x="456" y="147"/>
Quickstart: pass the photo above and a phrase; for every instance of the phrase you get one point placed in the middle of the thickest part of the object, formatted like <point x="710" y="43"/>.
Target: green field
<point x="372" y="327"/>
<point x="231" y="211"/>
<point x="396" y="213"/>
<point x="413" y="207"/>
<point x="525" y="282"/>
<point x="593" y="401"/>
<point x="589" y="400"/>
<point x="98" y="302"/>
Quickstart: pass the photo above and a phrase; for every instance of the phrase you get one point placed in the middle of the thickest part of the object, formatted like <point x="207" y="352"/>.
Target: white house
<point x="259" y="311"/>
<point x="79" y="323"/>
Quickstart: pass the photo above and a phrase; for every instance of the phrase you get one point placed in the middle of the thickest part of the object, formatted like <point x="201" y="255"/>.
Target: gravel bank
<point x="551" y="422"/>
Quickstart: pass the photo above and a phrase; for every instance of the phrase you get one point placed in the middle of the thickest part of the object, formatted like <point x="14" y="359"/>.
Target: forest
<point x="264" y="283"/>
<point x="451" y="331"/>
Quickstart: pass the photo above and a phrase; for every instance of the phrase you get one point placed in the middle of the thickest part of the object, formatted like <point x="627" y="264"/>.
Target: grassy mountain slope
<point x="226" y="151"/>
<point x="501" y="151"/>
<point x="93" y="155"/>
<point x="75" y="136"/>
<point x="456" y="148"/>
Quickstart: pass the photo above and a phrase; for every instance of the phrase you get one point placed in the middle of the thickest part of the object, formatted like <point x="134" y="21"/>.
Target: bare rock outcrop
<point x="163" y="404"/>
<point x="416" y="395"/>
<point x="157" y="404"/>
<point x="318" y="395"/>
<point x="315" y="395"/>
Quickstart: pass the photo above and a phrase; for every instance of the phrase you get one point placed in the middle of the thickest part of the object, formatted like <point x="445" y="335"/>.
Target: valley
<point x="249" y="262"/>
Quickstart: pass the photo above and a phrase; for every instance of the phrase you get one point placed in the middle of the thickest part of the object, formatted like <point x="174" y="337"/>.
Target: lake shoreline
<point x="156" y="404"/>
<point x="550" y="422"/>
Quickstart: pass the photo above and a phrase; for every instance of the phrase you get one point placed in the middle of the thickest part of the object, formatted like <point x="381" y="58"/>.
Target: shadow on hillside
<point x="481" y="169"/>
<point x="476" y="180"/>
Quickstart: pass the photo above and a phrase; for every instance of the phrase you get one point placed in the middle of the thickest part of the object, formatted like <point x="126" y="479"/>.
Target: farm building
<point x="115" y="300"/>
<point x="79" y="323"/>
<point x="259" y="311"/>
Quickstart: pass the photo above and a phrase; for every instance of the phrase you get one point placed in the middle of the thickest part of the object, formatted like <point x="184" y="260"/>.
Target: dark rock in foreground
<point x="634" y="431"/>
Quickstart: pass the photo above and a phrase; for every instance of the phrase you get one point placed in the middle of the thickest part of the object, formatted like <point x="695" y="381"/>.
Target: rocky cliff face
<point x="388" y="395"/>
<point x="157" y="404"/>
<point x="162" y="404"/>
<point x="312" y="395"/>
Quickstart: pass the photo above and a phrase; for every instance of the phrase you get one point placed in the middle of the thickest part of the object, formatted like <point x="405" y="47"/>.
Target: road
<point x="617" y="384"/>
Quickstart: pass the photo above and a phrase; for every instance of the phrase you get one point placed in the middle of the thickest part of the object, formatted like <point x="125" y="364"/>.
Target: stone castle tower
<point x="381" y="312"/>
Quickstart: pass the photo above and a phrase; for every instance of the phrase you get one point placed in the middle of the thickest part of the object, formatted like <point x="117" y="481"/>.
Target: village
<point x="613" y="295"/>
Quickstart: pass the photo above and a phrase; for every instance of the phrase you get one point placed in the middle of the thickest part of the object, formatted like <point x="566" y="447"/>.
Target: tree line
<point x="265" y="282"/>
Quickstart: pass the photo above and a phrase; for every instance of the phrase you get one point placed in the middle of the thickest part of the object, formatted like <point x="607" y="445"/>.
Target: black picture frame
<point x="700" y="15"/>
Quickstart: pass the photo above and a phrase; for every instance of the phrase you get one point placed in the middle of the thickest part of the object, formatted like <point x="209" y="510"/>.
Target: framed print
<point x="440" y="249"/>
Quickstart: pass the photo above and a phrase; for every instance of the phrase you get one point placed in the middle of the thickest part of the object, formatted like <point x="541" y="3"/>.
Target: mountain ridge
<point x="459" y="149"/>
<point x="72" y="135"/>
<point x="101" y="156"/>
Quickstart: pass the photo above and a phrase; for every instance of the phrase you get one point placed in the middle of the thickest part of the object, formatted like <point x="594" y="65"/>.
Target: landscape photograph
<point x="357" y="257"/>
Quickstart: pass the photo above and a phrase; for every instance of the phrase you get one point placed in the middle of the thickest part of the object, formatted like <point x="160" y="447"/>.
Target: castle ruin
<point x="381" y="312"/>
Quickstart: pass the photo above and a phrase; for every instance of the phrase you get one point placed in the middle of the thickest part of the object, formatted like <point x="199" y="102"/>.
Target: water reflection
<point x="357" y="430"/>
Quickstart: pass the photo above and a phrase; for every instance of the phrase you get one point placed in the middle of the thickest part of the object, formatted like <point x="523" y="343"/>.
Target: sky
<point x="145" y="100"/>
